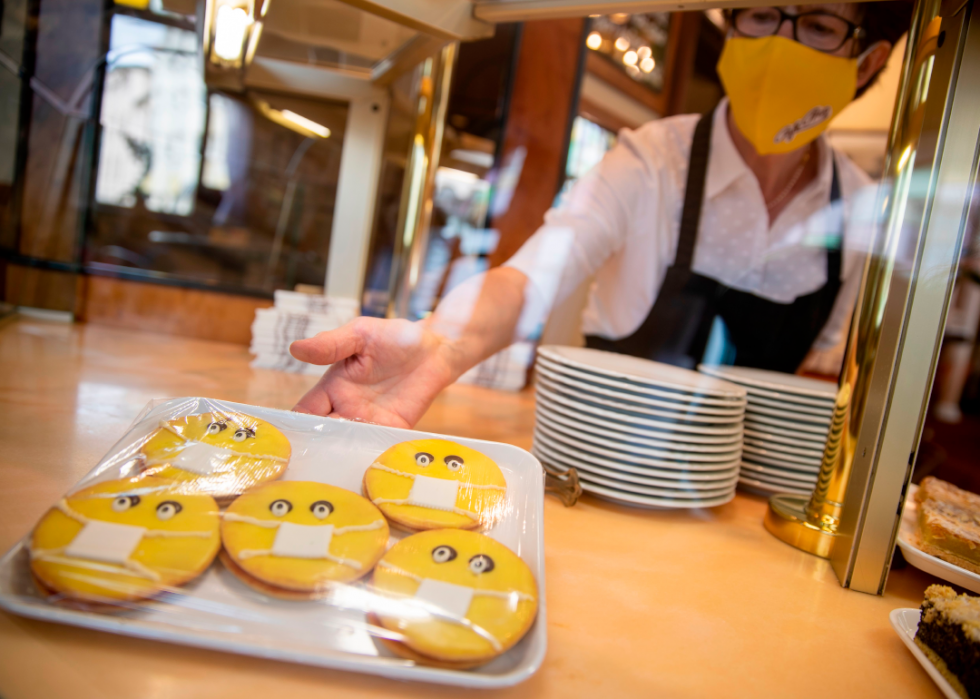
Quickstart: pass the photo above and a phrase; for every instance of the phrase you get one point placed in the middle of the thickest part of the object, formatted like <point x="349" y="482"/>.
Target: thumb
<point x="329" y="347"/>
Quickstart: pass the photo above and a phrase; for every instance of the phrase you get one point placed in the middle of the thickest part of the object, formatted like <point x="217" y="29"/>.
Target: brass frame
<point x="897" y="328"/>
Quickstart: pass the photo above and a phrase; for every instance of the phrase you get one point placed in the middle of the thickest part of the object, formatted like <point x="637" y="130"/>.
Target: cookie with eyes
<point x="436" y="484"/>
<point x="124" y="540"/>
<point x="221" y="454"/>
<point x="455" y="597"/>
<point x="295" y="539"/>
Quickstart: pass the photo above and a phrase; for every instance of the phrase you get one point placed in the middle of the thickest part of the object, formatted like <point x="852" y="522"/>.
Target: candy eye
<point x="443" y="554"/>
<point x="321" y="509"/>
<point x="124" y="502"/>
<point x="481" y="563"/>
<point x="243" y="433"/>
<point x="216" y="427"/>
<point x="280" y="508"/>
<point x="454" y="463"/>
<point x="423" y="459"/>
<point x="166" y="510"/>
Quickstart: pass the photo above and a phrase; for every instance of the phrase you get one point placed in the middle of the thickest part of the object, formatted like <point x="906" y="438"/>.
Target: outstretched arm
<point x="389" y="371"/>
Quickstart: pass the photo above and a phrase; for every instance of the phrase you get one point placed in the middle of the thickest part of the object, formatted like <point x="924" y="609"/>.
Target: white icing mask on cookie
<point x="201" y="458"/>
<point x="434" y="493"/>
<point x="310" y="541"/>
<point x="450" y="599"/>
<point x="107" y="542"/>
<point x="302" y="540"/>
<point x="451" y="602"/>
<point x="437" y="493"/>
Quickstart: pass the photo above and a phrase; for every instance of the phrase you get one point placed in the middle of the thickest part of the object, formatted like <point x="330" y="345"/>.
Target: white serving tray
<point x="925" y="561"/>
<point x="906" y="623"/>
<point x="219" y="612"/>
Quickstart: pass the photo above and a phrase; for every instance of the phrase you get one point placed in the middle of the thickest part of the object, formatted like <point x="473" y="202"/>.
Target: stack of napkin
<point x="505" y="371"/>
<point x="295" y="316"/>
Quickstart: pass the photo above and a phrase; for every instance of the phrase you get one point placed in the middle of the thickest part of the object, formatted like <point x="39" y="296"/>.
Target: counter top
<point x="640" y="603"/>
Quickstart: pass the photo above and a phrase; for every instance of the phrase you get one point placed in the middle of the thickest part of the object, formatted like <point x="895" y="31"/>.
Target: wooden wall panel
<point x="41" y="288"/>
<point x="545" y="84"/>
<point x="206" y="315"/>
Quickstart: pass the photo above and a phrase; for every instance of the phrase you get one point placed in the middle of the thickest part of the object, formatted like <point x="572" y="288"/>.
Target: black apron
<point x="766" y="334"/>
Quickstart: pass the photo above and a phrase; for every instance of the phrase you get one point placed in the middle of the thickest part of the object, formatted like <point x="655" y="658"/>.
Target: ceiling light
<point x="319" y="129"/>
<point x="647" y="64"/>
<point x="629" y="58"/>
<point x="594" y="41"/>
<point x="293" y="121"/>
<point x="622" y="43"/>
<point x="229" y="34"/>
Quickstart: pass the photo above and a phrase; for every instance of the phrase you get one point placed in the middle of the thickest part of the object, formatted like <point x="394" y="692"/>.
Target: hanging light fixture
<point x="232" y="31"/>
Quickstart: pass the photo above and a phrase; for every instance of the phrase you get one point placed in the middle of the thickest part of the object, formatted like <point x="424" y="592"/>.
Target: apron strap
<point x="834" y="253"/>
<point x="697" y="167"/>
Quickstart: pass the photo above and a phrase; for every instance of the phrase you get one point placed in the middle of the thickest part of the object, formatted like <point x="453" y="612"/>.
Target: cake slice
<point x="949" y="523"/>
<point x="949" y="634"/>
<point x="935" y="489"/>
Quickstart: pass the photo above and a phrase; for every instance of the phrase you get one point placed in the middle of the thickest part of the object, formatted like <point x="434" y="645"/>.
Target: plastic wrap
<point x="301" y="538"/>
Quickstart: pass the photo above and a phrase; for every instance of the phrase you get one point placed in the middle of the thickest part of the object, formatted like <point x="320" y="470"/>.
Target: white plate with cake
<point x="946" y="538"/>
<point x="942" y="635"/>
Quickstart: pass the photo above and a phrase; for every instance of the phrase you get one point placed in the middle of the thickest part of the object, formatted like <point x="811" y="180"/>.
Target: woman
<point x="693" y="227"/>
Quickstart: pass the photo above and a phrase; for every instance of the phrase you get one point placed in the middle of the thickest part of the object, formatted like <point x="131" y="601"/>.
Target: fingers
<point x="316" y="401"/>
<point x="329" y="347"/>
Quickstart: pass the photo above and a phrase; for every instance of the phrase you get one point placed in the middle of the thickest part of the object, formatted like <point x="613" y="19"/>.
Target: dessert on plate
<point x="295" y="539"/>
<point x="949" y="635"/>
<point x="124" y="540"/>
<point x="222" y="454"/>
<point x="948" y="524"/>
<point x="436" y="484"/>
<point x="453" y="598"/>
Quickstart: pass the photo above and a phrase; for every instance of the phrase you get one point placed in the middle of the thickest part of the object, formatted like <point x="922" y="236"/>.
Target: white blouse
<point x="620" y="223"/>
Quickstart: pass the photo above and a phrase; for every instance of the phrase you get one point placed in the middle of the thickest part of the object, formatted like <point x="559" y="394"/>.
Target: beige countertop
<point x="640" y="603"/>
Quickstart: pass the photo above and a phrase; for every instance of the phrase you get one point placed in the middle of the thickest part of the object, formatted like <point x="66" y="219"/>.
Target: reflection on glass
<point x="636" y="43"/>
<point x="587" y="146"/>
<point x="329" y="33"/>
<point x="152" y="117"/>
<point x="252" y="215"/>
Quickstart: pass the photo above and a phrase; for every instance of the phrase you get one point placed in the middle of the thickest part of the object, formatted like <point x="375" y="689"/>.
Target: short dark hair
<point x="883" y="21"/>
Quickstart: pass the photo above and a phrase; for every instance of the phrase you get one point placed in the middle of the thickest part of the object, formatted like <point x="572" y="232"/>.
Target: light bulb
<point x="229" y="34"/>
<point x="594" y="41"/>
<point x="647" y="64"/>
<point x="644" y="52"/>
<point x="622" y="43"/>
<point x="629" y="58"/>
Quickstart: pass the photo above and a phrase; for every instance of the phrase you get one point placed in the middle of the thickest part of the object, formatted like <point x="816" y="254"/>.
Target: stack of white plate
<point x="786" y="425"/>
<point x="637" y="431"/>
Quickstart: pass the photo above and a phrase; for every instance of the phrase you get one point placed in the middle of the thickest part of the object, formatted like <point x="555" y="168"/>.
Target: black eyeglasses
<point x="819" y="30"/>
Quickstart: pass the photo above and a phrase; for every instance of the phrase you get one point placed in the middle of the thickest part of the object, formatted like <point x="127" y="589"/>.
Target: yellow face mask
<point x="783" y="94"/>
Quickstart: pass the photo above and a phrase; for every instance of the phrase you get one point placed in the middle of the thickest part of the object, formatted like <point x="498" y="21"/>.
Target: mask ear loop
<point x="867" y="52"/>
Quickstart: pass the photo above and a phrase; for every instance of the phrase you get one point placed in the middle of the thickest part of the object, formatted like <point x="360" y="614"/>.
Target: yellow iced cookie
<point x="436" y="484"/>
<point x="124" y="540"/>
<point x="298" y="536"/>
<point x="222" y="454"/>
<point x="455" y="596"/>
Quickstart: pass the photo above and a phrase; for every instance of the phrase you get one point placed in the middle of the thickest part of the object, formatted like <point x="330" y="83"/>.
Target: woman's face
<point x="874" y="59"/>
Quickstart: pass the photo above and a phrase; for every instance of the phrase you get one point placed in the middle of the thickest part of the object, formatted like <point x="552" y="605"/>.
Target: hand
<point x="383" y="371"/>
